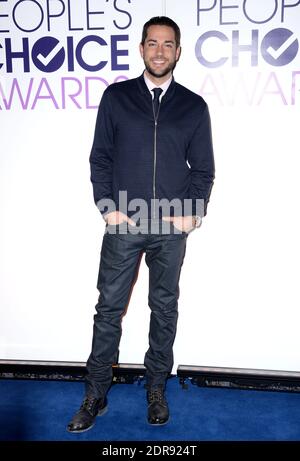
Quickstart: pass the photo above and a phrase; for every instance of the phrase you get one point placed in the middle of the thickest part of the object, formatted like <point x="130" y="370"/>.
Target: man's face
<point x="159" y="52"/>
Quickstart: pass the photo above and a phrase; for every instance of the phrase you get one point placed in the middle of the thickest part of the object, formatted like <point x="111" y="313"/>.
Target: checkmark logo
<point x="48" y="54"/>
<point x="282" y="48"/>
<point x="45" y="60"/>
<point x="279" y="47"/>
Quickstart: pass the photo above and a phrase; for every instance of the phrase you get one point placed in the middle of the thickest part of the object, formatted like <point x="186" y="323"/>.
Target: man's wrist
<point x="197" y="221"/>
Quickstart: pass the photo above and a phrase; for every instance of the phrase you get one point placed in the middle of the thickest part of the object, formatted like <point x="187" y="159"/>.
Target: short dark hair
<point x="161" y="21"/>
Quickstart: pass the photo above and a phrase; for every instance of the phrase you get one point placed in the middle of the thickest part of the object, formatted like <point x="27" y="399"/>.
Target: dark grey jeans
<point x="120" y="258"/>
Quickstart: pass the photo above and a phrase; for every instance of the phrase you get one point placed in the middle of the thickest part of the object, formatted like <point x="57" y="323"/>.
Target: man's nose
<point x="159" y="50"/>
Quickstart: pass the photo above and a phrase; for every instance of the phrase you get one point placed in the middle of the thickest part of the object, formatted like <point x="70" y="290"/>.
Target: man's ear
<point x="141" y="50"/>
<point x="178" y="53"/>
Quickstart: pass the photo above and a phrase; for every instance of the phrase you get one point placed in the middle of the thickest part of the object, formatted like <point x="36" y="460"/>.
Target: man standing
<point x="152" y="141"/>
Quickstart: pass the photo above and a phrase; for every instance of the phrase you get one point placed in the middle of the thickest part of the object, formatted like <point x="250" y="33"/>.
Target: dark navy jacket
<point x="124" y="156"/>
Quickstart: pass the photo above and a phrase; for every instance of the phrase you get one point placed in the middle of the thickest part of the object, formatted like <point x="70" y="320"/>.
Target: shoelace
<point x="88" y="404"/>
<point x="156" y="395"/>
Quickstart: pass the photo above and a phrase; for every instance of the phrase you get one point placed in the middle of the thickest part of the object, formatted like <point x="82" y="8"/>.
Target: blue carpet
<point x="40" y="410"/>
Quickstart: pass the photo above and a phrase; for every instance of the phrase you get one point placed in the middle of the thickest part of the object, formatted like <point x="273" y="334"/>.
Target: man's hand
<point x="117" y="217"/>
<point x="182" y="223"/>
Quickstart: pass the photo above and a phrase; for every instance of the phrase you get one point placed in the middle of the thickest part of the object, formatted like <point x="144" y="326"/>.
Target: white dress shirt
<point x="164" y="86"/>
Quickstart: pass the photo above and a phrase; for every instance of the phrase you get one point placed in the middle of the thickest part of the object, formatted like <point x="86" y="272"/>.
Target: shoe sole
<point x="78" y="431"/>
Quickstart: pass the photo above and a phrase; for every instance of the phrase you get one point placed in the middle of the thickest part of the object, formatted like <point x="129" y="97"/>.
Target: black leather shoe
<point x="84" y="419"/>
<point x="158" y="411"/>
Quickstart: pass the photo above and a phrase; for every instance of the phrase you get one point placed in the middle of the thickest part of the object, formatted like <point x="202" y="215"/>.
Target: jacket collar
<point x="144" y="89"/>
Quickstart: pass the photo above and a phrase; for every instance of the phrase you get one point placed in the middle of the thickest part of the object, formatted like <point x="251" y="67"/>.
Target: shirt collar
<point x="164" y="86"/>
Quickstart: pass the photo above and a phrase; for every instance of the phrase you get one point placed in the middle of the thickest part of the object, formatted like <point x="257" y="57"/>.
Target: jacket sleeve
<point x="201" y="160"/>
<point x="101" y="157"/>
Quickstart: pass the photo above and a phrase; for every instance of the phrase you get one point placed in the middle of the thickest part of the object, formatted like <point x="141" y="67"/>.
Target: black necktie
<point x="157" y="92"/>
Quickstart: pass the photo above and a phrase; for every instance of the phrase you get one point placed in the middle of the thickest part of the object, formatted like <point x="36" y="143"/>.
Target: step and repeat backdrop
<point x="239" y="295"/>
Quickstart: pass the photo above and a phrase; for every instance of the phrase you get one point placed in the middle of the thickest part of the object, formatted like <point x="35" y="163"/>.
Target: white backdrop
<point x="239" y="303"/>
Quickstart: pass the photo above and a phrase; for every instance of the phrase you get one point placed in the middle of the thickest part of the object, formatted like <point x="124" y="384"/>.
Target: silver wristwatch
<point x="197" y="220"/>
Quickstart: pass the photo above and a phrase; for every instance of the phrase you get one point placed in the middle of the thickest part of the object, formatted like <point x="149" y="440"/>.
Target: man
<point x="152" y="141"/>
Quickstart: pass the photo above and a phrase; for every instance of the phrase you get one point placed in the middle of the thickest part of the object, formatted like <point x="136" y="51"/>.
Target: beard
<point x="162" y="72"/>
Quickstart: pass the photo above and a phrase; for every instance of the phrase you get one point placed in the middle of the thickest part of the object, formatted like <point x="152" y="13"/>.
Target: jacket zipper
<point x="155" y="153"/>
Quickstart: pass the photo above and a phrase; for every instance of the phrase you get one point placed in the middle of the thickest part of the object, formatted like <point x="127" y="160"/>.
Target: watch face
<point x="198" y="221"/>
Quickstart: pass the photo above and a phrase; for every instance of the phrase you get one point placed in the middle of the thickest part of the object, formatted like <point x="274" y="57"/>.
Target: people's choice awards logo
<point x="61" y="53"/>
<point x="250" y="48"/>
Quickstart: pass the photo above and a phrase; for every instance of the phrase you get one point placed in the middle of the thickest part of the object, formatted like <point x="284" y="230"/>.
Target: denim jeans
<point x="120" y="258"/>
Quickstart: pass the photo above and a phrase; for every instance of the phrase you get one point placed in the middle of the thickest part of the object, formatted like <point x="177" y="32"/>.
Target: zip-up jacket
<point x="167" y="158"/>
